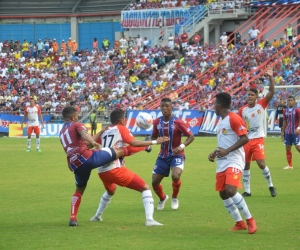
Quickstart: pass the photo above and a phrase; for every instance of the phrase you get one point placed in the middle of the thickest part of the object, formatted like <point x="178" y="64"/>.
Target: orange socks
<point x="76" y="199"/>
<point x="176" y="187"/>
<point x="289" y="158"/>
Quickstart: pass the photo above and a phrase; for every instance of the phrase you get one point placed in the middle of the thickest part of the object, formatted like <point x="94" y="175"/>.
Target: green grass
<point x="36" y="190"/>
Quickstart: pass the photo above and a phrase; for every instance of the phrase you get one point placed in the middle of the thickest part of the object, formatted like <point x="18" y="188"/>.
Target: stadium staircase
<point x="277" y="19"/>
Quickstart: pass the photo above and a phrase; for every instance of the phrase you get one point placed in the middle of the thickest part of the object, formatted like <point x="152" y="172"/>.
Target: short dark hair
<point x="291" y="97"/>
<point x="68" y="112"/>
<point x="254" y="90"/>
<point x="165" y="100"/>
<point x="224" y="99"/>
<point x="116" y="116"/>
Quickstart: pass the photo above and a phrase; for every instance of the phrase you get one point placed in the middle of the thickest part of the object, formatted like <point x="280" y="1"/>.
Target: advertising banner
<point x="193" y="118"/>
<point x="6" y="119"/>
<point x="48" y="131"/>
<point x="152" y="17"/>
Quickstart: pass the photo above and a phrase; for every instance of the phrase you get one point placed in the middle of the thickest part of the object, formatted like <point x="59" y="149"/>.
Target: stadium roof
<point x="16" y="7"/>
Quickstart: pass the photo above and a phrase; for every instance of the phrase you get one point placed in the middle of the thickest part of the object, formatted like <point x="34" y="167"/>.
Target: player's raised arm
<point x="271" y="92"/>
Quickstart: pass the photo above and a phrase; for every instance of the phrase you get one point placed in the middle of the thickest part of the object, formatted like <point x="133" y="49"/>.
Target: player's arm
<point x="128" y="138"/>
<point x="155" y="132"/>
<point x="221" y="152"/>
<point x="88" y="138"/>
<point x="297" y="130"/>
<point x="187" y="132"/>
<point x="271" y="92"/>
<point x="41" y="119"/>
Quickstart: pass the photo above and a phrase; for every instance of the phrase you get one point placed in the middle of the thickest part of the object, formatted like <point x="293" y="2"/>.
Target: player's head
<point x="252" y="96"/>
<point x="166" y="107"/>
<point x="70" y="114"/>
<point x="281" y="102"/>
<point x="222" y="102"/>
<point x="291" y="101"/>
<point x="117" y="117"/>
<point x="32" y="101"/>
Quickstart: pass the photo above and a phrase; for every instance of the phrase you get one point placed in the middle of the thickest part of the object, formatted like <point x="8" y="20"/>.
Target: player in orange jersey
<point x="33" y="112"/>
<point x="115" y="173"/>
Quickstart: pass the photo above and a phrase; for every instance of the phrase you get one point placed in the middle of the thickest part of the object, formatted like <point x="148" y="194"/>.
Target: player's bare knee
<point x="261" y="164"/>
<point x="146" y="187"/>
<point x="231" y="190"/>
<point x="176" y="177"/>
<point x="288" y="148"/>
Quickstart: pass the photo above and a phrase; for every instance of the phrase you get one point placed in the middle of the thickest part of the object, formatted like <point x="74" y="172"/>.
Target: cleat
<point x="73" y="223"/>
<point x="251" y="226"/>
<point x="38" y="150"/>
<point x="175" y="203"/>
<point x="150" y="223"/>
<point x="245" y="194"/>
<point x="288" y="167"/>
<point x="273" y="191"/>
<point x="240" y="225"/>
<point x="161" y="204"/>
<point x="96" y="218"/>
<point x="28" y="150"/>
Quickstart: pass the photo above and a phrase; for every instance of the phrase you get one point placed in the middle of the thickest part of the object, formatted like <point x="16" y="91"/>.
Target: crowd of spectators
<point x="122" y="74"/>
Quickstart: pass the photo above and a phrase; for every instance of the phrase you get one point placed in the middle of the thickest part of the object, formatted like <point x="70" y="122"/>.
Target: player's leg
<point x="232" y="182"/>
<point x="288" y="140"/>
<point x="29" y="132"/>
<point x="110" y="188"/>
<point x="177" y="168"/>
<point x="246" y="172"/>
<point x="82" y="176"/>
<point x="228" y="202"/>
<point x="138" y="184"/>
<point x="37" y="138"/>
<point x="160" y="170"/>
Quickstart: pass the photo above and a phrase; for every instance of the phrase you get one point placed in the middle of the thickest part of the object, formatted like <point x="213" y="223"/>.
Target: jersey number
<point x="108" y="139"/>
<point x="62" y="138"/>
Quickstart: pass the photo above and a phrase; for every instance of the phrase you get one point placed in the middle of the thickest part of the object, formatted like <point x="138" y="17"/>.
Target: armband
<point x="154" y="142"/>
<point x="182" y="146"/>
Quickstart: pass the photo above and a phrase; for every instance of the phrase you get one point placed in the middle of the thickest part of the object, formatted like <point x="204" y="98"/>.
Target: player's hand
<point x="160" y="140"/>
<point x="212" y="156"/>
<point x="96" y="145"/>
<point x="269" y="71"/>
<point x="297" y="131"/>
<point x="177" y="150"/>
<point x="89" y="145"/>
<point x="221" y="152"/>
<point x="43" y="125"/>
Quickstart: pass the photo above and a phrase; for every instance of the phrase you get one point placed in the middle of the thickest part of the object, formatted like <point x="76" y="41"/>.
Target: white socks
<point x="37" y="143"/>
<point x="266" y="173"/>
<point x="148" y="202"/>
<point x="240" y="203"/>
<point x="232" y="209"/>
<point x="104" y="201"/>
<point x="246" y="179"/>
<point x="29" y="143"/>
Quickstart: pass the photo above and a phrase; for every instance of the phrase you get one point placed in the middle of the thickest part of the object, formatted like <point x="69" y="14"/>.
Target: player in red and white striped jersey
<point x="33" y="112"/>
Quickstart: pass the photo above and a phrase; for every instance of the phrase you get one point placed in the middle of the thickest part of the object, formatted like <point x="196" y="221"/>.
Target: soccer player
<point x="93" y="122"/>
<point x="115" y="173"/>
<point x="279" y="113"/>
<point x="253" y="115"/>
<point x="75" y="139"/>
<point x="232" y="136"/>
<point x="33" y="112"/>
<point x="171" y="155"/>
<point x="291" y="130"/>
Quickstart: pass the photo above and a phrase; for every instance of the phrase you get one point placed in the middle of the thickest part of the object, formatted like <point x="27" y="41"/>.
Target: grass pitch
<point x="36" y="189"/>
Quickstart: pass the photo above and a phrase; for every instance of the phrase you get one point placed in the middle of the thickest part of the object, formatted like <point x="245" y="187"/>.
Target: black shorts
<point x="280" y="122"/>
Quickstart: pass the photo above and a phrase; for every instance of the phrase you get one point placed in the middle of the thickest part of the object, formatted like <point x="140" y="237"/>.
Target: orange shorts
<point x="35" y="129"/>
<point x="231" y="176"/>
<point x="255" y="150"/>
<point x="122" y="177"/>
